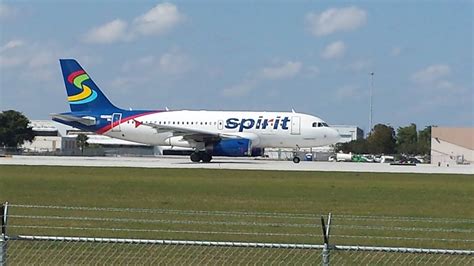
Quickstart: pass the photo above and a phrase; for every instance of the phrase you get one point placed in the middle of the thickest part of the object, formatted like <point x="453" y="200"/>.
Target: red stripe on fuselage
<point x="123" y="120"/>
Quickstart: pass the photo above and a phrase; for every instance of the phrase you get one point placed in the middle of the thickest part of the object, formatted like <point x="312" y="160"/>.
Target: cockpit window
<point x="320" y="124"/>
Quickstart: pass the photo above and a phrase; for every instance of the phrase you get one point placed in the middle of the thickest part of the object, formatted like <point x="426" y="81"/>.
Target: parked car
<point x="387" y="159"/>
<point x="410" y="160"/>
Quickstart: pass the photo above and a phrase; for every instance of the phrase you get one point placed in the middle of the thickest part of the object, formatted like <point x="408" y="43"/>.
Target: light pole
<point x="370" y="100"/>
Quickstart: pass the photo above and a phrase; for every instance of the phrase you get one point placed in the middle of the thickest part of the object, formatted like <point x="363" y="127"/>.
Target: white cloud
<point x="7" y="11"/>
<point x="157" y="21"/>
<point x="336" y="19"/>
<point x="174" y="63"/>
<point x="348" y="92"/>
<point x="169" y="63"/>
<point x="108" y="33"/>
<point x="146" y="69"/>
<point x="41" y="59"/>
<point x="437" y="77"/>
<point x="396" y="51"/>
<point x="12" y="44"/>
<point x="11" y="61"/>
<point x="143" y="62"/>
<point x="285" y="71"/>
<point x="312" y="71"/>
<point x="160" y="19"/>
<point x="241" y="89"/>
<point x="431" y="74"/>
<point x="334" y="50"/>
<point x="360" y="65"/>
<point x="37" y="60"/>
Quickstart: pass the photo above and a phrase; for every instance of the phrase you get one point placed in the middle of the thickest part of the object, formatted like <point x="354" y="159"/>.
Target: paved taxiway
<point x="231" y="163"/>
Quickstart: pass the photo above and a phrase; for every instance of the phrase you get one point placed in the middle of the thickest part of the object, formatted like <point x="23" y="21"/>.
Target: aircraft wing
<point x="197" y="135"/>
<point x="85" y="120"/>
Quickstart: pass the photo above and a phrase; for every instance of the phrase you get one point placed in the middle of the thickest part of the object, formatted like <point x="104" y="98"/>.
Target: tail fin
<point x="82" y="93"/>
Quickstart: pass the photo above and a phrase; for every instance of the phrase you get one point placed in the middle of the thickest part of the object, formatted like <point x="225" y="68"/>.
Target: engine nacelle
<point x="177" y="141"/>
<point x="231" y="147"/>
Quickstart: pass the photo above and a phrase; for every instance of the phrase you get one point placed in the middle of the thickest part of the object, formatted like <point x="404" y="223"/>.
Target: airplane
<point x="208" y="133"/>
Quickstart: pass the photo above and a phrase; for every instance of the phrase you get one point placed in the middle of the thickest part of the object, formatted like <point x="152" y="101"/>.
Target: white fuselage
<point x="264" y="129"/>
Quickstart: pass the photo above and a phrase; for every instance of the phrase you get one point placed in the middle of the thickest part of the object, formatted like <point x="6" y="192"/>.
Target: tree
<point x="14" y="129"/>
<point x="355" y="146"/>
<point x="407" y="139"/>
<point x="424" y="141"/>
<point x="381" y="140"/>
<point x="81" y="142"/>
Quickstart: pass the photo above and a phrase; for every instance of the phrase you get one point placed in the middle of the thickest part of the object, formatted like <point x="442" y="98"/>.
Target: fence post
<point x="3" y="238"/>
<point x="326" y="231"/>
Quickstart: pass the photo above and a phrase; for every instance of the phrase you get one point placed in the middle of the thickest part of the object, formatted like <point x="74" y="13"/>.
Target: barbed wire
<point x="404" y="238"/>
<point x="402" y="219"/>
<point x="182" y="212"/>
<point x="257" y="214"/>
<point x="398" y="228"/>
<point x="101" y="219"/>
<point x="162" y="230"/>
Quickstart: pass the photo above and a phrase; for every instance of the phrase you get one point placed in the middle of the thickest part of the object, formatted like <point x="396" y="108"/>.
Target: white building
<point x="48" y="138"/>
<point x="56" y="138"/>
<point x="452" y="146"/>
<point x="348" y="133"/>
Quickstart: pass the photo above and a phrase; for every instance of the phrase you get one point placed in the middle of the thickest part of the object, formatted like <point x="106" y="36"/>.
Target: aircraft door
<point x="220" y="124"/>
<point x="116" y="121"/>
<point x="295" y="125"/>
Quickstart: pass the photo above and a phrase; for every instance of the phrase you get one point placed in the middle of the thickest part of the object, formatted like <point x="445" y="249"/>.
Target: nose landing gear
<point x="296" y="158"/>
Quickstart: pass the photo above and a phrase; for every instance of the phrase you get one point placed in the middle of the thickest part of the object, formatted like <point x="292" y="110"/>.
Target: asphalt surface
<point x="232" y="163"/>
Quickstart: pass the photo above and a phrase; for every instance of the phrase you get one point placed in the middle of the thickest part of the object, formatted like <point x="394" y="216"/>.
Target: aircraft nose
<point x="334" y="135"/>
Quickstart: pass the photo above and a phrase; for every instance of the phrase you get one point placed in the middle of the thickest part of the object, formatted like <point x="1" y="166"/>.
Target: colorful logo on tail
<point x="86" y="95"/>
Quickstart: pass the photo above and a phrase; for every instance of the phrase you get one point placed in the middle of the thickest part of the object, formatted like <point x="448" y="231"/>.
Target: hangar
<point x="452" y="145"/>
<point x="56" y="139"/>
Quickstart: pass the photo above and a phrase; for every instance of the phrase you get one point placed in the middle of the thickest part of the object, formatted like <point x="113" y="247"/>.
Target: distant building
<point x="451" y="145"/>
<point x="348" y="133"/>
<point x="58" y="139"/>
<point x="48" y="139"/>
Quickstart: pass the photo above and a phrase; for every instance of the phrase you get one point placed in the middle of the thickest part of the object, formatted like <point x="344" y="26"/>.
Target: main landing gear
<point x="200" y="156"/>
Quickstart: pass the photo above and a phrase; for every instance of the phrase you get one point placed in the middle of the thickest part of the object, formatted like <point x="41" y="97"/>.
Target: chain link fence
<point x="33" y="234"/>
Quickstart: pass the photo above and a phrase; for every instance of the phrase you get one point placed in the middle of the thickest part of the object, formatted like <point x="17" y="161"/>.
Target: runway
<point x="231" y="163"/>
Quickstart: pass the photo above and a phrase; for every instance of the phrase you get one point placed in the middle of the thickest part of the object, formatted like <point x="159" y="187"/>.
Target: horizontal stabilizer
<point x="85" y="120"/>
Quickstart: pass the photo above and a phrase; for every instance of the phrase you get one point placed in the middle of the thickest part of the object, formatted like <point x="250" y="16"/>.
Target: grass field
<point x="309" y="193"/>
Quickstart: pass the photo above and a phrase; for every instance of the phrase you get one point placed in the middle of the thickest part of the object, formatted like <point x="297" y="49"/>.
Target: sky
<point x="311" y="56"/>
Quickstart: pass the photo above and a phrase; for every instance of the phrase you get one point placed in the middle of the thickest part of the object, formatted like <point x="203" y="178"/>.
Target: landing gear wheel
<point x="206" y="157"/>
<point x="296" y="159"/>
<point x="195" y="157"/>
